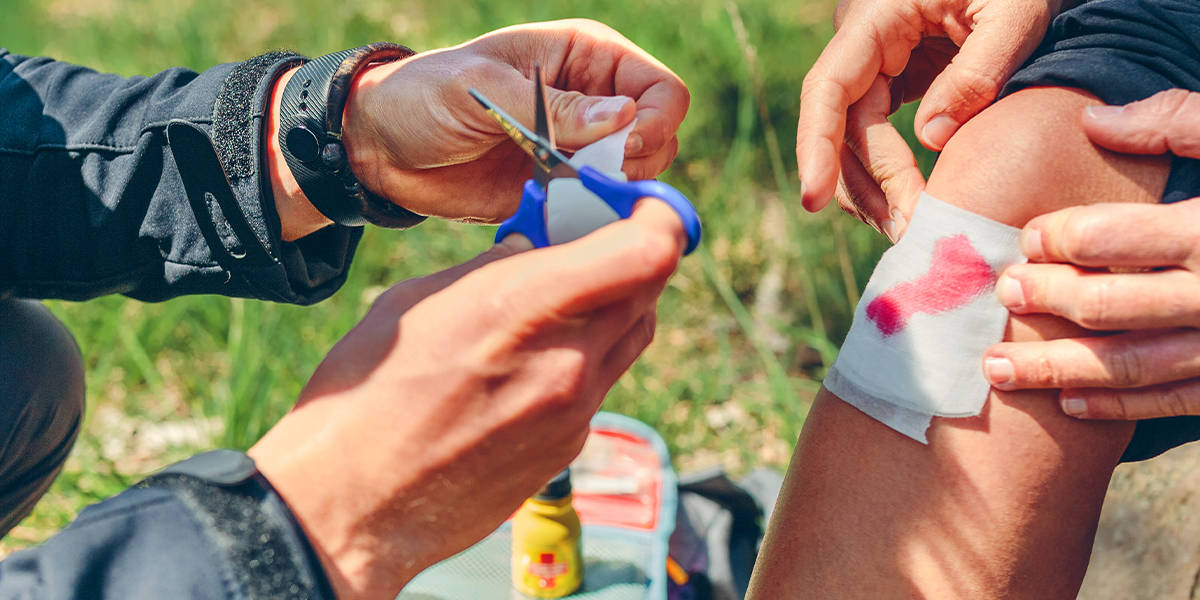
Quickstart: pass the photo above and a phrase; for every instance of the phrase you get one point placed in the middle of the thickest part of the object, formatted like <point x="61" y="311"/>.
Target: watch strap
<point x="310" y="135"/>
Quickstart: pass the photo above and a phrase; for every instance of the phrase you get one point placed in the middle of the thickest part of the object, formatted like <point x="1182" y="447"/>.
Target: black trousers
<point x="41" y="404"/>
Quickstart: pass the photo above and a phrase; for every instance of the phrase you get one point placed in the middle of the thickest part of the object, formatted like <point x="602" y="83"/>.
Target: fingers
<point x="1003" y="36"/>
<point x="595" y="59"/>
<point x="1115" y="235"/>
<point x="612" y="264"/>
<point x="859" y="195"/>
<point x="601" y="56"/>
<point x="515" y="242"/>
<point x="886" y="158"/>
<point x="1168" y="121"/>
<point x="649" y="167"/>
<point x="1103" y="301"/>
<point x="578" y="119"/>
<point x="626" y="350"/>
<point x="1170" y="400"/>
<point x="660" y="110"/>
<point x="840" y="76"/>
<point x="1128" y="360"/>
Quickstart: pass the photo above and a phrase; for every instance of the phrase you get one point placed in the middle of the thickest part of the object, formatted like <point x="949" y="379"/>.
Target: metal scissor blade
<point x="544" y="128"/>
<point x="545" y="156"/>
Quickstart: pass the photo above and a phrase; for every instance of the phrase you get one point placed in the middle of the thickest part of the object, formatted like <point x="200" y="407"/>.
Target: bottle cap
<point x="558" y="488"/>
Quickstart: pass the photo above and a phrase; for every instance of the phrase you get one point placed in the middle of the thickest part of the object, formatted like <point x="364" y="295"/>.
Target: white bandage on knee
<point x="925" y="319"/>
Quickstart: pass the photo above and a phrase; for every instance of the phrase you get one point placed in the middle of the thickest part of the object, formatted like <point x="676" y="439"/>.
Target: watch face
<point x="223" y="467"/>
<point x="303" y="144"/>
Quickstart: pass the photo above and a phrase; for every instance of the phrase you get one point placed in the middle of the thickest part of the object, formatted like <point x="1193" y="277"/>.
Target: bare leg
<point x="1001" y="505"/>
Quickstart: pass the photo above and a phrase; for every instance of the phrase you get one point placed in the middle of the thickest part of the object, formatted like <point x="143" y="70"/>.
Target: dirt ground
<point x="1148" y="543"/>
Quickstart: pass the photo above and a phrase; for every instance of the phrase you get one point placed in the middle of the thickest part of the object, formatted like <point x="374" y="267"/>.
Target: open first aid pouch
<point x="626" y="495"/>
<point x="927" y="315"/>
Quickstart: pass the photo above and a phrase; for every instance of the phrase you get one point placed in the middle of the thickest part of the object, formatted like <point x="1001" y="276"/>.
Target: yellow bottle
<point x="546" y="557"/>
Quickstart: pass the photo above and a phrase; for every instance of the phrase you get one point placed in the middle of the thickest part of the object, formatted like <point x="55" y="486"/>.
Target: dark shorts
<point x="1122" y="51"/>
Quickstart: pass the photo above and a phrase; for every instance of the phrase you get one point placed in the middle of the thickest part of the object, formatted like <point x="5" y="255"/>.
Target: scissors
<point x="549" y="164"/>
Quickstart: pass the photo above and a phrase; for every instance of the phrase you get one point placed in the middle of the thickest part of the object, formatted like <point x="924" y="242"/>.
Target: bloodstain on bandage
<point x="957" y="274"/>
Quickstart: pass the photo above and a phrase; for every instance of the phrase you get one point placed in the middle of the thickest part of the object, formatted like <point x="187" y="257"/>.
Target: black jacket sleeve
<point x="91" y="200"/>
<point x="174" y="536"/>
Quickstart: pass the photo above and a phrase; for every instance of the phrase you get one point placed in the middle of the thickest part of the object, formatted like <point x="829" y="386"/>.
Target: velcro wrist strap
<point x="245" y="517"/>
<point x="310" y="135"/>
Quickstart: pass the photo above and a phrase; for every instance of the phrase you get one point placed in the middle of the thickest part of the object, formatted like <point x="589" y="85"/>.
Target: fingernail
<point x="516" y="242"/>
<point x="999" y="371"/>
<point x="897" y="225"/>
<point x="1031" y="244"/>
<point x="633" y="145"/>
<point x="805" y="201"/>
<point x="938" y="130"/>
<point x="604" y="110"/>
<point x="1074" y="405"/>
<point x="1010" y="292"/>
<point x="1100" y="113"/>
<point x="886" y="228"/>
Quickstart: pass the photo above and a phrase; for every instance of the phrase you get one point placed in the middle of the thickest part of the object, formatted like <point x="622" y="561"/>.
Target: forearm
<point x="92" y="198"/>
<point x="999" y="505"/>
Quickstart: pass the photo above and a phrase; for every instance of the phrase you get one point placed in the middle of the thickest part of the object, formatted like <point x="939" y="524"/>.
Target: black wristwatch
<point x="310" y="135"/>
<point x="246" y="519"/>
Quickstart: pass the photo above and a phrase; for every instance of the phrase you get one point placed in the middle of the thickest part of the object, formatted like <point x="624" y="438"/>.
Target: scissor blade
<point x="523" y="137"/>
<point x="545" y="156"/>
<point x="545" y="127"/>
<point x="541" y="172"/>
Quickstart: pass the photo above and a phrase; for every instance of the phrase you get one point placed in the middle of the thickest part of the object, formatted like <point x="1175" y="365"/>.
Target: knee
<point x="41" y="373"/>
<point x="1028" y="155"/>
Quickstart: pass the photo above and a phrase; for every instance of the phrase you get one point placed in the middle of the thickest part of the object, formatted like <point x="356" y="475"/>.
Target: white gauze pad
<point x="927" y="315"/>
<point x="571" y="210"/>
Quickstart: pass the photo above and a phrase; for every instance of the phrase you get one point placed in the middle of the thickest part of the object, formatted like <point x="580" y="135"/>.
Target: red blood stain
<point x="958" y="274"/>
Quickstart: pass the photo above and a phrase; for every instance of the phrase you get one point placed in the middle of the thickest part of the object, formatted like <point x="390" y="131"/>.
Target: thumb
<point x="1168" y="121"/>
<point x="580" y="119"/>
<point x="993" y="50"/>
<point x="577" y="119"/>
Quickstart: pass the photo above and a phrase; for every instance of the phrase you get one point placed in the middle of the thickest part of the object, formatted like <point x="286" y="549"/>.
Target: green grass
<point x="747" y="327"/>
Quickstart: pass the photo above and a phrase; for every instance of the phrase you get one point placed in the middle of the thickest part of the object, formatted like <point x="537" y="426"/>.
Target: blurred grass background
<point x="747" y="327"/>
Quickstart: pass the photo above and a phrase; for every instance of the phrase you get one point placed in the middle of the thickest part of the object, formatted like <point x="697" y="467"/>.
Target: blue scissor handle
<point x="622" y="195"/>
<point x="530" y="218"/>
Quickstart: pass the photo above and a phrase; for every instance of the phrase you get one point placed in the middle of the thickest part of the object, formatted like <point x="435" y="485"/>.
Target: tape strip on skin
<point x="926" y="317"/>
<point x="572" y="211"/>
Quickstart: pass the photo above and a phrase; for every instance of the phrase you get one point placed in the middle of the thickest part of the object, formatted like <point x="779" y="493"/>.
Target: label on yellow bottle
<point x="548" y="572"/>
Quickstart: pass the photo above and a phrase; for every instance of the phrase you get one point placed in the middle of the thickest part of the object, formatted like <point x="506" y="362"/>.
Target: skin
<point x="414" y="135"/>
<point x="493" y="367"/>
<point x="1003" y="505"/>
<point x="955" y="54"/>
<point x="1130" y="270"/>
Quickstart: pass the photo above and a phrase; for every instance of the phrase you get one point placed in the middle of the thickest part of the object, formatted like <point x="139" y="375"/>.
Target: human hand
<point x="460" y="393"/>
<point x="414" y="135"/>
<point x="1151" y="368"/>
<point x="955" y="53"/>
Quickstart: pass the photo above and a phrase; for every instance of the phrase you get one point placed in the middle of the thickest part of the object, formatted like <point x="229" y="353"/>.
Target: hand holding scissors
<point x="548" y="163"/>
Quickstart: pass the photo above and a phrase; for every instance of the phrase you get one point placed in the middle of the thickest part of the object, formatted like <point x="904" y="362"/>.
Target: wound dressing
<point x="573" y="211"/>
<point x="927" y="315"/>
